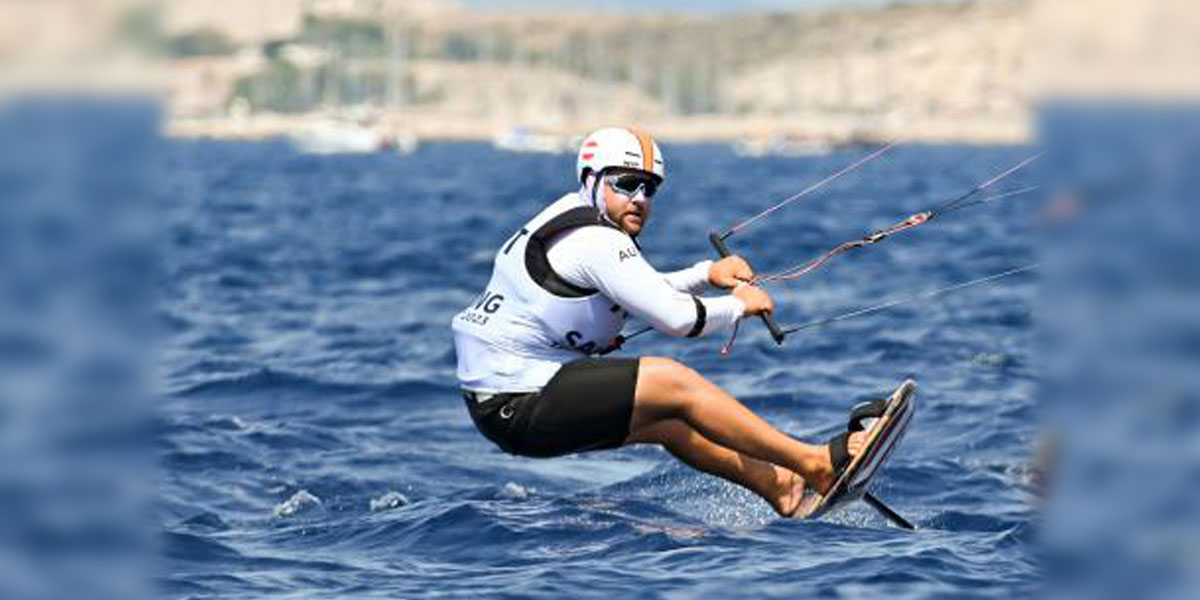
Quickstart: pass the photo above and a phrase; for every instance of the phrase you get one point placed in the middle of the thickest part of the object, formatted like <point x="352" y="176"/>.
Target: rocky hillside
<point x="938" y="71"/>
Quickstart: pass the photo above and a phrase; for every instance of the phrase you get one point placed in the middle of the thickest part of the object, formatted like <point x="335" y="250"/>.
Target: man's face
<point x="625" y="197"/>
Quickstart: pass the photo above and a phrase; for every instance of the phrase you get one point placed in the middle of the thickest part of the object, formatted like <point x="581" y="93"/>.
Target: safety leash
<point x="912" y="221"/>
<point x="959" y="202"/>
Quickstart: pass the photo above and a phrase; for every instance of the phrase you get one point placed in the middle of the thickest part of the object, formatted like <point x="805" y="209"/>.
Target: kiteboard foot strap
<point x="839" y="453"/>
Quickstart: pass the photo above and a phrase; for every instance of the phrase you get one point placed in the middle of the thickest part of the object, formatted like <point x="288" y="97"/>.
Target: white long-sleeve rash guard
<point x="607" y="260"/>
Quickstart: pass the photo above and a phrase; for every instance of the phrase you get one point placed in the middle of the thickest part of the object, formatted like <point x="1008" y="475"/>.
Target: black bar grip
<point x="768" y="319"/>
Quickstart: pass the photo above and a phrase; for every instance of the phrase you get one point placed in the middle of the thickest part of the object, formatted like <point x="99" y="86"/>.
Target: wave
<point x="267" y="380"/>
<point x="307" y="306"/>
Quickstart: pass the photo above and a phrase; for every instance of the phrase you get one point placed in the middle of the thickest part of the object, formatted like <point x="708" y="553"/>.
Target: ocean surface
<point x="313" y="443"/>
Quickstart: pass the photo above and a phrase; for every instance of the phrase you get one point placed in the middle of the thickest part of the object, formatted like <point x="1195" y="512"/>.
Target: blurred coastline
<point x="436" y="70"/>
<point x="403" y="70"/>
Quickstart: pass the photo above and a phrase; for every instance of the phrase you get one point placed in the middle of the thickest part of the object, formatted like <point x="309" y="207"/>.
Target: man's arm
<point x="726" y="274"/>
<point x="692" y="280"/>
<point x="607" y="260"/>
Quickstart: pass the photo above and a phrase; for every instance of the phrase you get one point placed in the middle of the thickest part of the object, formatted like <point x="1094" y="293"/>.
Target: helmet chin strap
<point x="591" y="193"/>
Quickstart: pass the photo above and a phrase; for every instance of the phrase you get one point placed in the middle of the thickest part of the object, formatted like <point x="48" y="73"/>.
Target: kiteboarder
<point x="530" y="347"/>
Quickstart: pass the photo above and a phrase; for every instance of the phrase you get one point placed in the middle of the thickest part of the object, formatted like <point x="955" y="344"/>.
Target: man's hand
<point x="756" y="299"/>
<point x="729" y="271"/>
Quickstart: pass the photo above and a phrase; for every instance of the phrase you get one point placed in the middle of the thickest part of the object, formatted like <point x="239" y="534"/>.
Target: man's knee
<point x="666" y="384"/>
<point x="668" y="432"/>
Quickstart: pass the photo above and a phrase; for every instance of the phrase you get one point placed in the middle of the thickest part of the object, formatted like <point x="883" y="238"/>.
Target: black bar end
<point x="718" y="243"/>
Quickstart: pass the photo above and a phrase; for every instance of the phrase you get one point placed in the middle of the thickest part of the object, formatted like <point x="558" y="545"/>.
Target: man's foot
<point x="792" y="494"/>
<point x="821" y="476"/>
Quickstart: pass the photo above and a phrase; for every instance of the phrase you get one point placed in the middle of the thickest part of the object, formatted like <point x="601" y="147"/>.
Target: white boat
<point x="781" y="146"/>
<point x="524" y="139"/>
<point x="333" y="137"/>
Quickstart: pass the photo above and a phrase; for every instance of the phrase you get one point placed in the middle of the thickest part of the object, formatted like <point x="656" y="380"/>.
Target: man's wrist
<point x="703" y="270"/>
<point x="740" y="302"/>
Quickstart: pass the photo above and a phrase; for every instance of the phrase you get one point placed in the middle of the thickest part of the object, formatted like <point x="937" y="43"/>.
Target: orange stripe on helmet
<point x="647" y="143"/>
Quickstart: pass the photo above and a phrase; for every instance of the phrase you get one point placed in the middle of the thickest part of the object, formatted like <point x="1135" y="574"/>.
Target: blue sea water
<point x="313" y="443"/>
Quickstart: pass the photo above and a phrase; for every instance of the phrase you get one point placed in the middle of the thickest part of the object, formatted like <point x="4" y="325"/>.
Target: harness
<point x="537" y="263"/>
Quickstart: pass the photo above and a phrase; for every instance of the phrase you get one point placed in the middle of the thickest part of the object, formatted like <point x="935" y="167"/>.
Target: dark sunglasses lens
<point x="651" y="188"/>
<point x="629" y="184"/>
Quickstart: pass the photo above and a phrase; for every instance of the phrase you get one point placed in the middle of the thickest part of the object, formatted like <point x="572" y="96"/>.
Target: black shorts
<point x="586" y="406"/>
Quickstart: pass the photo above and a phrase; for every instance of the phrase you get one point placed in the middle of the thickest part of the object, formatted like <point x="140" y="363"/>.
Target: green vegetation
<point x="349" y="38"/>
<point x="202" y="42"/>
<point x="280" y="87"/>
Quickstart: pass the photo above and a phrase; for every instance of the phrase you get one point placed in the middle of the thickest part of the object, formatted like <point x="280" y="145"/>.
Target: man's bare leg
<point x="667" y="390"/>
<point x="780" y="487"/>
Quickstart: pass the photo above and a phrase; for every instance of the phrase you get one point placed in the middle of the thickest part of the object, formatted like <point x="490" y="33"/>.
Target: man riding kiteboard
<point x="529" y="348"/>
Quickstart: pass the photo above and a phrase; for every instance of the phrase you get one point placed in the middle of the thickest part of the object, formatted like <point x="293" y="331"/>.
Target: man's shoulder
<point x="599" y="233"/>
<point x="555" y="208"/>
<point x="564" y="207"/>
<point x="591" y="242"/>
<point x="566" y="202"/>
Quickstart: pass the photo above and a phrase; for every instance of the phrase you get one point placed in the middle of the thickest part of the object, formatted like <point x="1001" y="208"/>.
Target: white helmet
<point x="619" y="147"/>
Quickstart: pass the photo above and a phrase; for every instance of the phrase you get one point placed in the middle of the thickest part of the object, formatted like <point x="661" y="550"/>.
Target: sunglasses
<point x="630" y="184"/>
